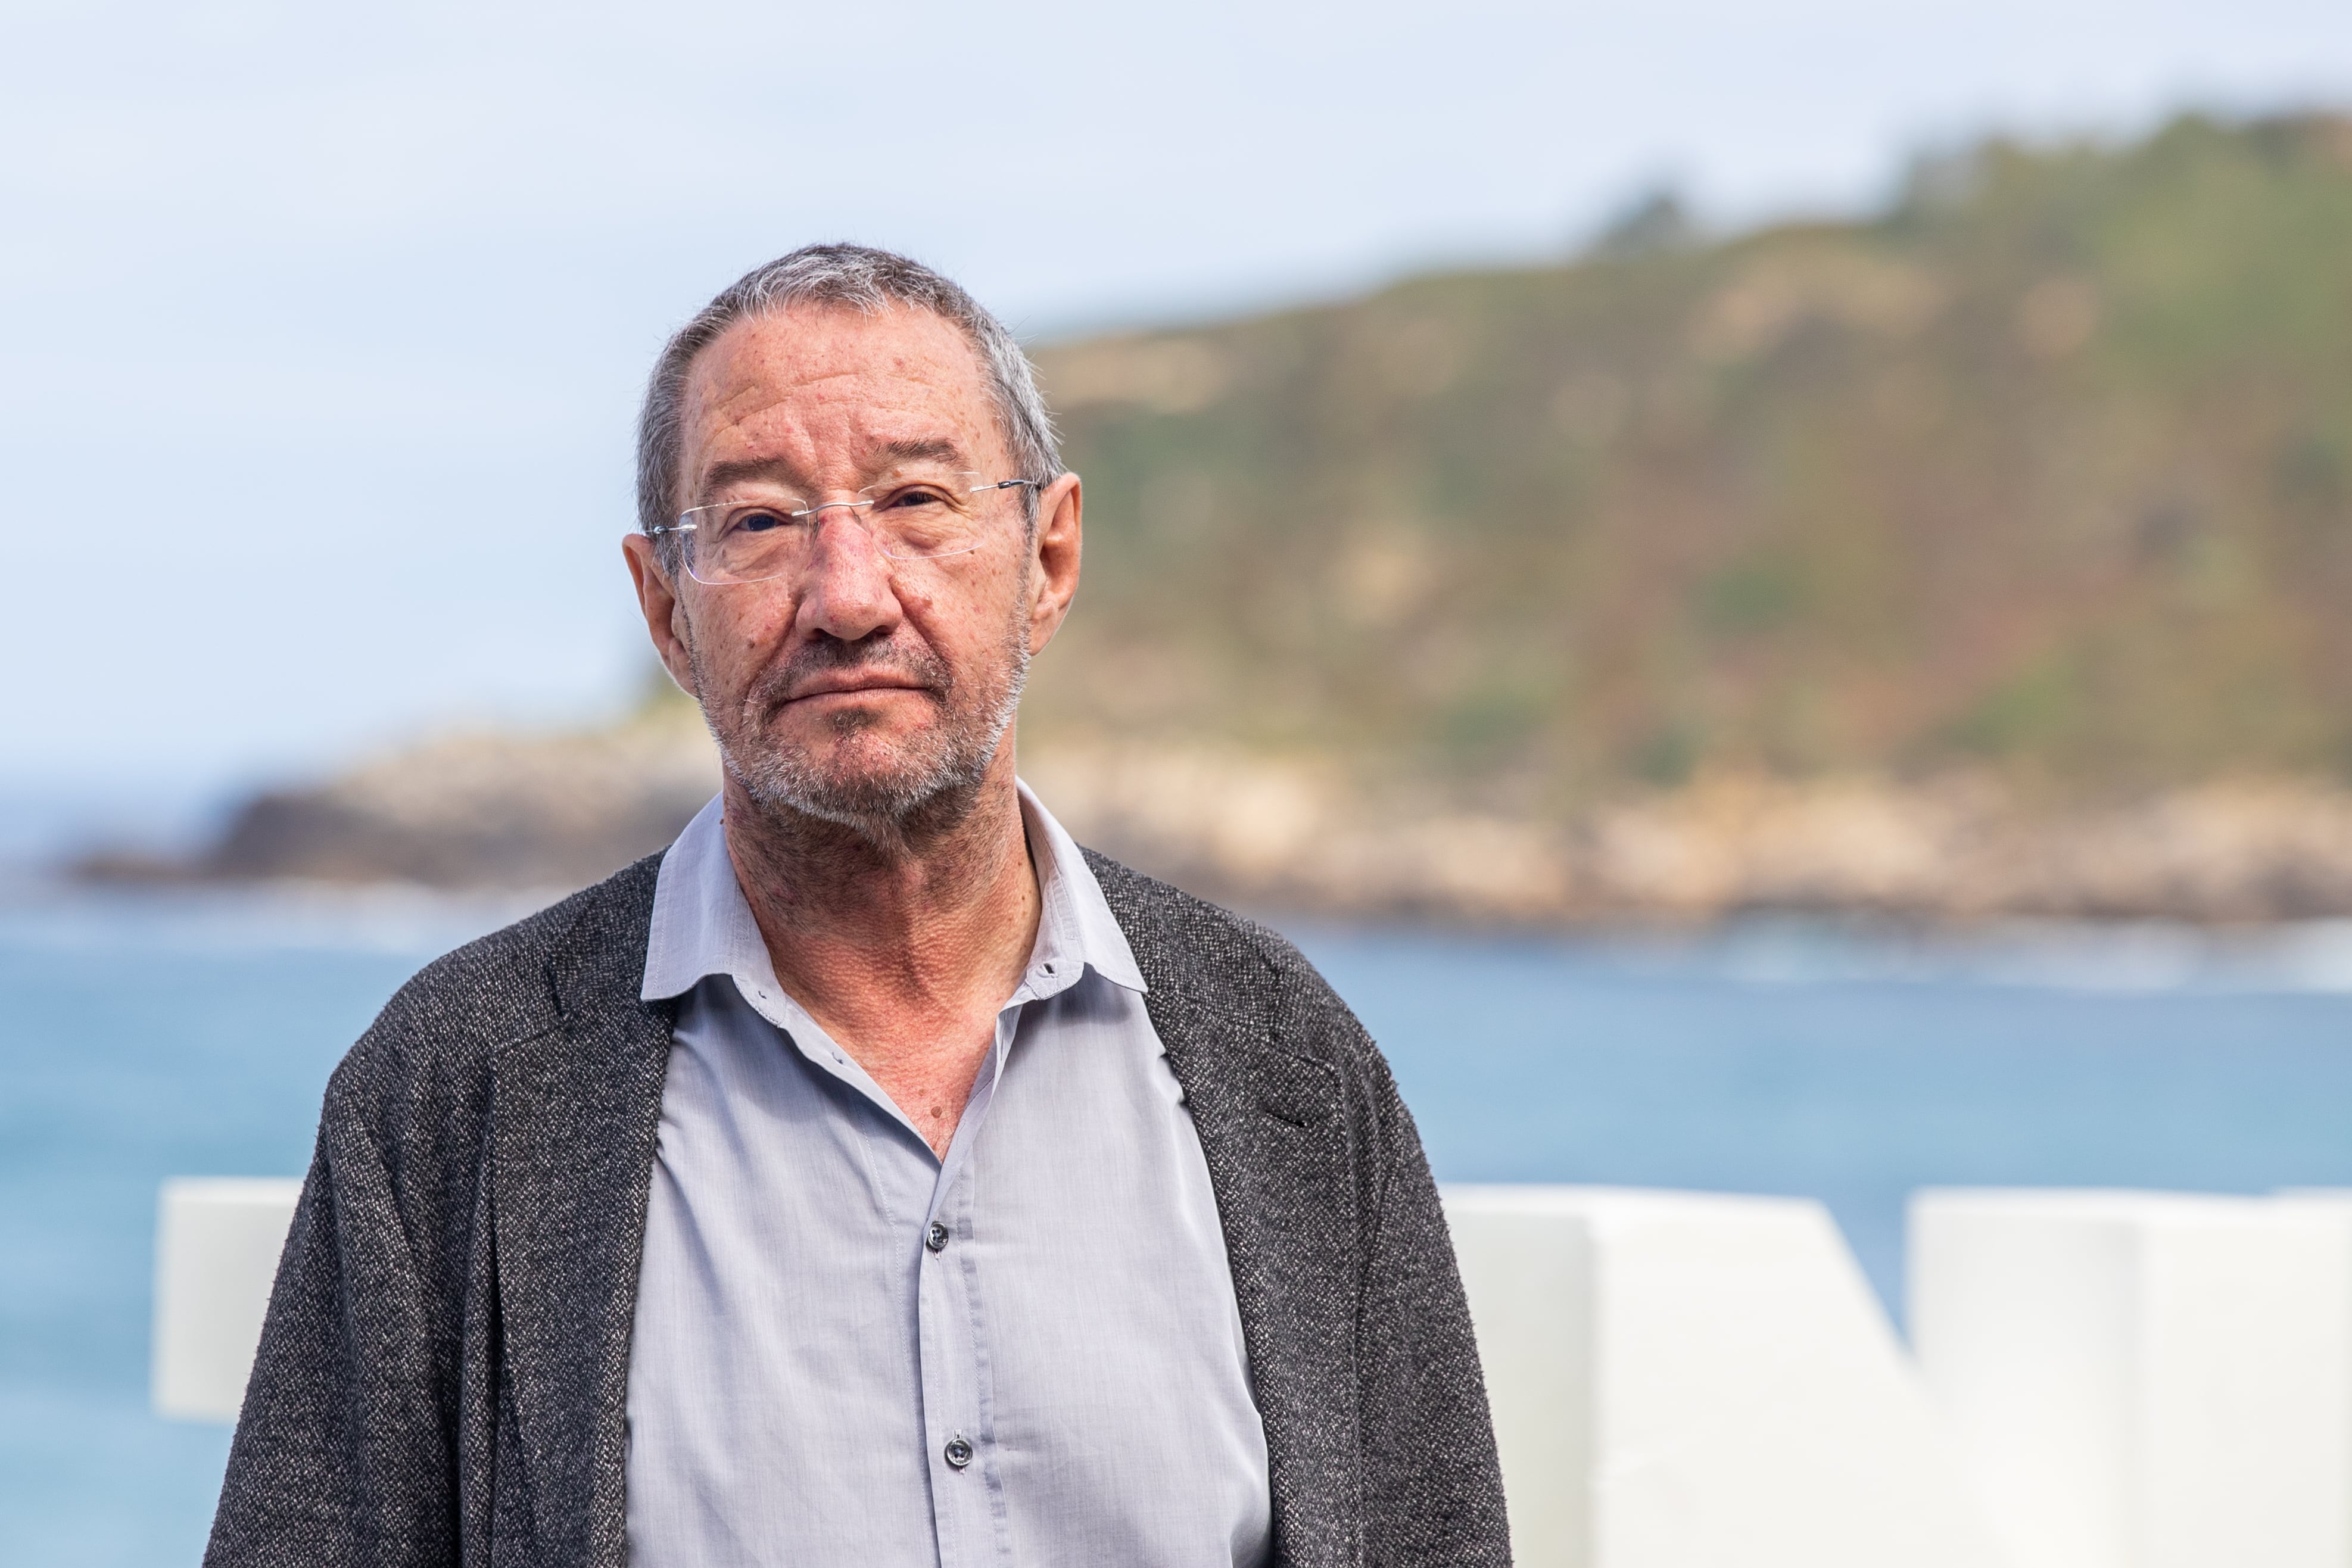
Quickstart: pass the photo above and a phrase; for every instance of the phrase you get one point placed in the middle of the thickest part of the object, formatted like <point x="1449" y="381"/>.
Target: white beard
<point x="879" y="802"/>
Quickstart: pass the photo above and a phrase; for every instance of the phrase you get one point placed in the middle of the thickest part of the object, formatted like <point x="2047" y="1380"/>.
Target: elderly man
<point x="875" y="1178"/>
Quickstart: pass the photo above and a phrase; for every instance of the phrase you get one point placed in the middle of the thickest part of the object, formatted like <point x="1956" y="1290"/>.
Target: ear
<point x="1053" y="558"/>
<point x="664" y="613"/>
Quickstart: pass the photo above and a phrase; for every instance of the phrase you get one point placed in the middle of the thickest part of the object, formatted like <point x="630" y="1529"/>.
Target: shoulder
<point x="439" y="1034"/>
<point x="1250" y="1024"/>
<point x="1233" y="963"/>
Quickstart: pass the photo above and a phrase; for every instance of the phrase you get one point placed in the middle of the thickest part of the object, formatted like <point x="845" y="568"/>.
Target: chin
<point x="865" y="748"/>
<point x="870" y="773"/>
<point x="864" y="781"/>
<point x="879" y="766"/>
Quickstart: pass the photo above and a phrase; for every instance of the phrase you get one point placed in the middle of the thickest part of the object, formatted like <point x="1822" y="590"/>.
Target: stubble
<point x="889" y="793"/>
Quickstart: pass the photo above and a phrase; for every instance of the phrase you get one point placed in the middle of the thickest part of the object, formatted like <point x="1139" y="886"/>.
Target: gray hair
<point x="858" y="277"/>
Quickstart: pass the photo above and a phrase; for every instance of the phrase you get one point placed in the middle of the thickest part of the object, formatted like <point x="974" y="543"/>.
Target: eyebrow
<point x="935" y="449"/>
<point x="718" y="476"/>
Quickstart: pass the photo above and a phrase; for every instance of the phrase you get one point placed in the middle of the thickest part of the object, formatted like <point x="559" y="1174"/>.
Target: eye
<point x="914" y="498"/>
<point x="757" y="520"/>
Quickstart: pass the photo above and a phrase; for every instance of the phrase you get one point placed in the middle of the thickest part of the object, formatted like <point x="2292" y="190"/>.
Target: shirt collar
<point x="703" y="927"/>
<point x="1074" y="919"/>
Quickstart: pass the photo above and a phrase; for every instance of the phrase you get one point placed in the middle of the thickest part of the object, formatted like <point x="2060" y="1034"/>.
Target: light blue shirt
<point x="830" y="1317"/>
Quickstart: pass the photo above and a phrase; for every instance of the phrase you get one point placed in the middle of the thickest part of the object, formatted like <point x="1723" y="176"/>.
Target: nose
<point x="847" y="592"/>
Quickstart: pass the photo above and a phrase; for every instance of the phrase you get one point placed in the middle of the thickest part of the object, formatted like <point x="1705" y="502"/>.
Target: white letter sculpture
<point x="216" y="1248"/>
<point x="1682" y="1379"/>
<point x="2143" y="1380"/>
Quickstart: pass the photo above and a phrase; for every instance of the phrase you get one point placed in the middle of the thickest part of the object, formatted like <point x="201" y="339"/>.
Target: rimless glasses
<point x="909" y="517"/>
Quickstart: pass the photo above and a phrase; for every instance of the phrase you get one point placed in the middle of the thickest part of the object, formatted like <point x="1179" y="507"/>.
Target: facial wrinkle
<point x="920" y="792"/>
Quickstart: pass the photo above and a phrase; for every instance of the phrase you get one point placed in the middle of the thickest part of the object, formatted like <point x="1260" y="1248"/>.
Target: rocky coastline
<point x="464" y="811"/>
<point x="1956" y="848"/>
<point x="486" y="812"/>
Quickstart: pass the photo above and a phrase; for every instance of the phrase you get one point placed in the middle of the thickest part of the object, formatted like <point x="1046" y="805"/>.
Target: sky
<point x="321" y="331"/>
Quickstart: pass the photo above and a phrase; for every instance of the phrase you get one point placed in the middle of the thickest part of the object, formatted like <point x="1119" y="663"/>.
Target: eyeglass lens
<point x="915" y="516"/>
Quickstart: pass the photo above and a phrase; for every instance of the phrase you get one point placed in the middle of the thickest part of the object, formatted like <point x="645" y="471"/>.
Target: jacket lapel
<point x="576" y="1112"/>
<point x="1274" y="1130"/>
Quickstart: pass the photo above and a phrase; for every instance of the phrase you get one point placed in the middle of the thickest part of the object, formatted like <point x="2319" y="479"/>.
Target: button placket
<point x="952" y="1352"/>
<point x="954" y="1338"/>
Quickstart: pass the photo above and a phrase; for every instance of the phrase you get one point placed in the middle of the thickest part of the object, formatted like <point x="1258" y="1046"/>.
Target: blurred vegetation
<point x="2047" y="470"/>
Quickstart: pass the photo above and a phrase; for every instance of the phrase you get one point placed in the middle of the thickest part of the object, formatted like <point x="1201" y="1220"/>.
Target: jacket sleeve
<point x="1433" y="1489"/>
<point x="343" y="1452"/>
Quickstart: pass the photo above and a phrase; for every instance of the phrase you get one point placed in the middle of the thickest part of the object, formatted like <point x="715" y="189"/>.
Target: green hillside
<point x="2047" y="469"/>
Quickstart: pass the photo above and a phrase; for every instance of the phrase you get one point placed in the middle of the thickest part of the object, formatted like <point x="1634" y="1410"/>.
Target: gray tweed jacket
<point x="443" y="1373"/>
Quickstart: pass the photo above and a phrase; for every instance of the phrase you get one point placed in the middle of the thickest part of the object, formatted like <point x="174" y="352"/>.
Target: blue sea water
<point x="152" y="1038"/>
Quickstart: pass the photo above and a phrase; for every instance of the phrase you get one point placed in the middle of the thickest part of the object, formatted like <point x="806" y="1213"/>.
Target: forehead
<point x="819" y="387"/>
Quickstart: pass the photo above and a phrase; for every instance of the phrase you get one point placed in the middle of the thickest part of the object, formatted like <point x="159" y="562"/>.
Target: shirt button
<point x="958" y="1452"/>
<point x="935" y="1237"/>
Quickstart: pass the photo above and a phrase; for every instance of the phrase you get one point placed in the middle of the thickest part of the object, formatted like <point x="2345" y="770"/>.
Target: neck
<point x="901" y="944"/>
